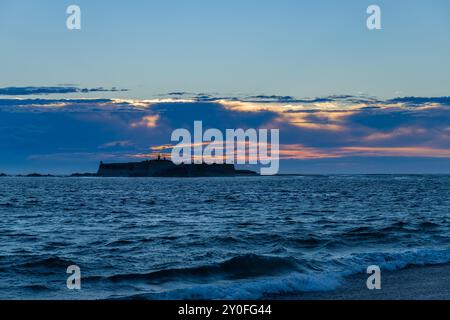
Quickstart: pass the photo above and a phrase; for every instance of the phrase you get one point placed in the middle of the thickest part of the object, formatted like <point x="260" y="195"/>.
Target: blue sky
<point x="286" y="47"/>
<point x="132" y="54"/>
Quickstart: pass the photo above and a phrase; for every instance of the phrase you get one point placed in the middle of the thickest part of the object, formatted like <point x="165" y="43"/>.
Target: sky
<point x="346" y="99"/>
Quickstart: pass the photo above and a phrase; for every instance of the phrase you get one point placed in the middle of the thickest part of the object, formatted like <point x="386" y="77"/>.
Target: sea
<point x="215" y="238"/>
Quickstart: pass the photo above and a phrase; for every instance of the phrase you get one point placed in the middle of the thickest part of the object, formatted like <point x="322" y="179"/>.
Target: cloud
<point x="71" y="105"/>
<point x="271" y="98"/>
<point x="323" y="129"/>
<point x="117" y="144"/>
<point x="177" y="93"/>
<point x="424" y="152"/>
<point x="147" y="121"/>
<point x="25" y="91"/>
<point x="420" y="101"/>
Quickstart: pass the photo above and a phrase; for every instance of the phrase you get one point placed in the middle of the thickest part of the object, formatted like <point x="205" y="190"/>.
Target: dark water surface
<point x="241" y="238"/>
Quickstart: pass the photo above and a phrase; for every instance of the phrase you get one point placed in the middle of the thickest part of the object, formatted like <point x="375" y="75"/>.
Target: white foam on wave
<point x="253" y="289"/>
<point x="393" y="261"/>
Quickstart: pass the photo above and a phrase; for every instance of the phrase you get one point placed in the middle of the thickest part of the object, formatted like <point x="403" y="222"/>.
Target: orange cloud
<point x="301" y="152"/>
<point x="331" y="121"/>
<point x="147" y="121"/>
<point x="396" y="133"/>
<point x="326" y="116"/>
<point x="162" y="147"/>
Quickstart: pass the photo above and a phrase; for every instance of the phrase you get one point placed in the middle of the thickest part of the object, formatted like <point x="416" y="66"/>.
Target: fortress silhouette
<point x="166" y="168"/>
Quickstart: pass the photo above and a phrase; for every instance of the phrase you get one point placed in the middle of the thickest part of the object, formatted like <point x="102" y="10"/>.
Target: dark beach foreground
<point x="412" y="283"/>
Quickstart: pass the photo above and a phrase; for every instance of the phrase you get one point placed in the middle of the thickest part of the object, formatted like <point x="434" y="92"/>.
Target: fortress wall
<point x="164" y="168"/>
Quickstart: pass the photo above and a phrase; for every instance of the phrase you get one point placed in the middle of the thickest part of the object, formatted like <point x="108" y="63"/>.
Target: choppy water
<point x="242" y="238"/>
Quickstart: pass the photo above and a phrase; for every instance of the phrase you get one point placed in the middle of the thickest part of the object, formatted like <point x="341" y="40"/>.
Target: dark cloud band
<point x="26" y="91"/>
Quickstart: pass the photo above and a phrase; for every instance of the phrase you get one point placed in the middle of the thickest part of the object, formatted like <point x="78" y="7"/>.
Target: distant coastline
<point x="95" y="175"/>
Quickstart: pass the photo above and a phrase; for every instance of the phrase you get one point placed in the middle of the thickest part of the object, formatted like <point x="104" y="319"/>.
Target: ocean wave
<point x="45" y="263"/>
<point x="295" y="282"/>
<point x="258" y="289"/>
<point x="121" y="242"/>
<point x="240" y="267"/>
<point x="393" y="261"/>
<point x="305" y="234"/>
<point x="428" y="225"/>
<point x="37" y="287"/>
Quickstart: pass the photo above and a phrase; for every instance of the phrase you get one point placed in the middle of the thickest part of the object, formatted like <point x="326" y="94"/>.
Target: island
<point x="38" y="175"/>
<point x="166" y="168"/>
<point x="83" y="175"/>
